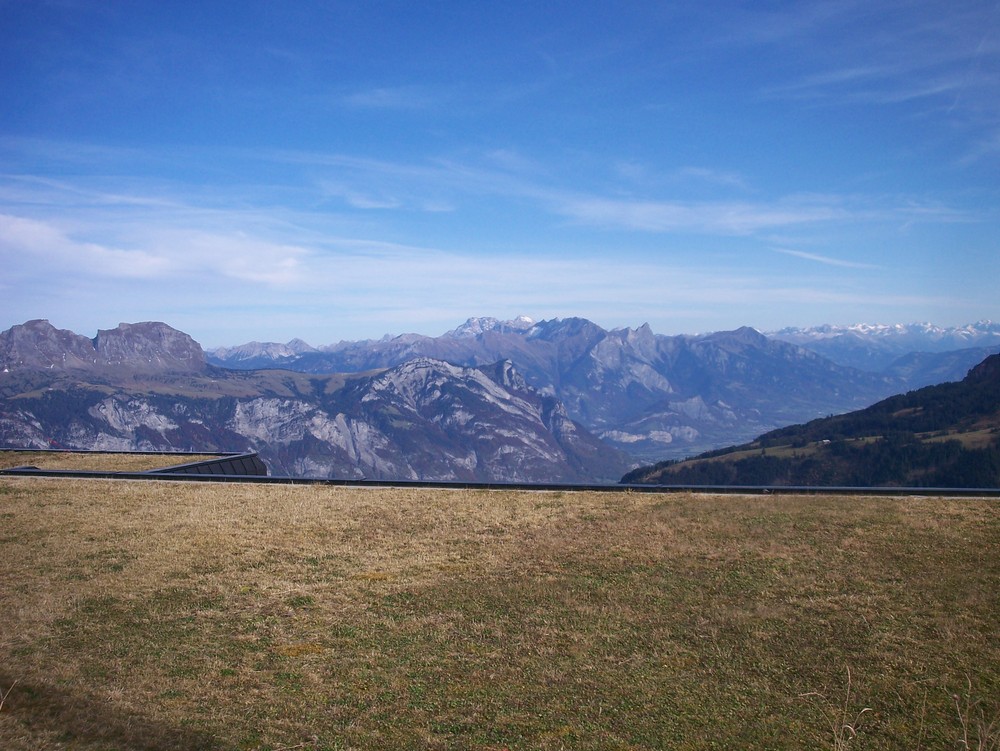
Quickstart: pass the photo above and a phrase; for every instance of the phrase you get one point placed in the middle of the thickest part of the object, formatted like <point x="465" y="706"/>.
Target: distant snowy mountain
<point x="478" y="326"/>
<point x="874" y="347"/>
<point x="955" y="337"/>
<point x="260" y="354"/>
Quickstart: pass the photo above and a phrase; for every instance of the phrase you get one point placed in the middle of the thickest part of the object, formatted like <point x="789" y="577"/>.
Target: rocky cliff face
<point x="39" y="344"/>
<point x="149" y="346"/>
<point x="427" y="419"/>
<point x="140" y="347"/>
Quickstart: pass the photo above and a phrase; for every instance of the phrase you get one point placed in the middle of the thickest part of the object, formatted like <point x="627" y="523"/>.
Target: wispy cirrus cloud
<point x="723" y="178"/>
<point x="724" y="218"/>
<point x="985" y="145"/>
<point x="447" y="182"/>
<point x="637" y="173"/>
<point x="215" y="274"/>
<point x="508" y="182"/>
<point x="358" y="199"/>
<point x="826" y="260"/>
<point x="888" y="85"/>
<point x="885" y="56"/>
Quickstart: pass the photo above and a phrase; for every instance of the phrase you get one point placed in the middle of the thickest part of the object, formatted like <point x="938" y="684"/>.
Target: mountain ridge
<point x="150" y="346"/>
<point x="945" y="435"/>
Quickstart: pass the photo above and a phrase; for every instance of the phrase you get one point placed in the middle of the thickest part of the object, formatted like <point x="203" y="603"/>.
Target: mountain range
<point x="560" y="400"/>
<point x="659" y="397"/>
<point x="148" y="387"/>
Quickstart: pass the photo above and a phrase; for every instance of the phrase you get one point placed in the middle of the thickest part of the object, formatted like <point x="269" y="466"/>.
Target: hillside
<point x="946" y="435"/>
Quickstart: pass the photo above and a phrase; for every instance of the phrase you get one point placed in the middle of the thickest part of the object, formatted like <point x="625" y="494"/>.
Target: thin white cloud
<point x="708" y="217"/>
<point x="646" y="176"/>
<point x="27" y="242"/>
<point x="358" y="198"/>
<point x="987" y="146"/>
<point x="512" y="160"/>
<point x="816" y="85"/>
<point x="278" y="257"/>
<point x="828" y="261"/>
<point x="881" y="87"/>
<point x="235" y="255"/>
<point x="359" y="201"/>
<point x="444" y="184"/>
<point x="38" y="249"/>
<point x="887" y="55"/>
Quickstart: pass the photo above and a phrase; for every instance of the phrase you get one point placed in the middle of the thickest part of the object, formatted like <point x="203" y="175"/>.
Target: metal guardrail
<point x="240" y="465"/>
<point x="520" y="486"/>
<point x="249" y="468"/>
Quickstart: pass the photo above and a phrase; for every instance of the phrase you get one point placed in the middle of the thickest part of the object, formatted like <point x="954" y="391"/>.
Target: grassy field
<point x="154" y="615"/>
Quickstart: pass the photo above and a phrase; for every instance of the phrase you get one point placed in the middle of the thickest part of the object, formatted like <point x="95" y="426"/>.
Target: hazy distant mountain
<point x="918" y="369"/>
<point x="874" y="347"/>
<point x="140" y="388"/>
<point x="256" y="355"/>
<point x="946" y="435"/>
<point x="653" y="396"/>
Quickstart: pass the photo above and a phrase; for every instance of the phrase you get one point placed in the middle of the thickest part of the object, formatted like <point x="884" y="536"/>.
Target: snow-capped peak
<point x="474" y="327"/>
<point x="262" y="350"/>
<point x="886" y="331"/>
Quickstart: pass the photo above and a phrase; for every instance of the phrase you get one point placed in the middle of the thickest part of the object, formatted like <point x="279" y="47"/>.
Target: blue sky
<point x="341" y="170"/>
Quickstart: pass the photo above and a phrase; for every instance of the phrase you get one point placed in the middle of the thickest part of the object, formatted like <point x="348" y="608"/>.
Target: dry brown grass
<point x="95" y="461"/>
<point x="159" y="615"/>
<point x="970" y="440"/>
